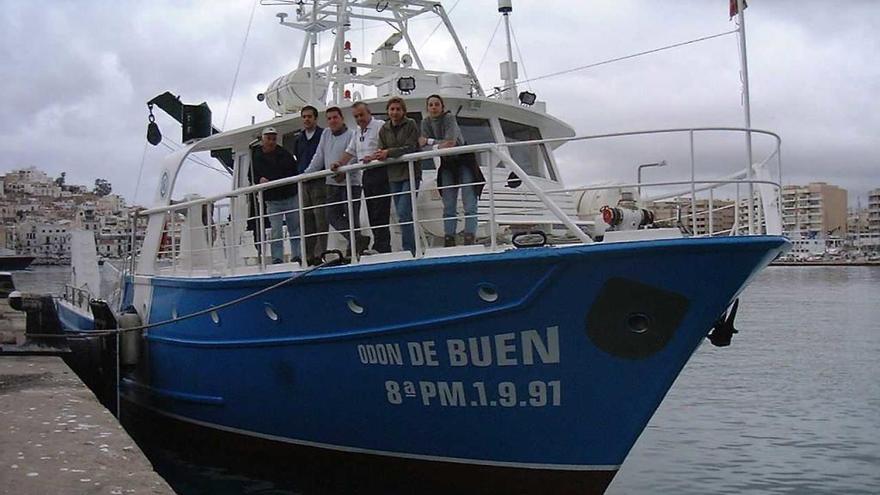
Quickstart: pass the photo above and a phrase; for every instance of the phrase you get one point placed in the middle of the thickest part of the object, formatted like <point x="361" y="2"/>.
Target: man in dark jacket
<point x="315" y="191"/>
<point x="272" y="162"/>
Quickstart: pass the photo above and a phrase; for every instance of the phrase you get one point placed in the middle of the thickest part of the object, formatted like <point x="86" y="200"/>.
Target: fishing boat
<point x="529" y="361"/>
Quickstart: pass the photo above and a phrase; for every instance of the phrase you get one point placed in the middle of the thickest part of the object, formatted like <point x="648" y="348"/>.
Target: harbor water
<point x="793" y="406"/>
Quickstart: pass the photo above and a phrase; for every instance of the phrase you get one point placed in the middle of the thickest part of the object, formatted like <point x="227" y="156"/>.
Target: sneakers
<point x="469" y="239"/>
<point x="449" y="241"/>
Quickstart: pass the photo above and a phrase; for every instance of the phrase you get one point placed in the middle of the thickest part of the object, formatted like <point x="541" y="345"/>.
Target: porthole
<point x="215" y="317"/>
<point x="270" y="312"/>
<point x="354" y="306"/>
<point x="638" y="322"/>
<point x="487" y="292"/>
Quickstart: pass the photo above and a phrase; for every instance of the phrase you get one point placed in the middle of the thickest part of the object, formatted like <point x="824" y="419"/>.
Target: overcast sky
<point x="76" y="75"/>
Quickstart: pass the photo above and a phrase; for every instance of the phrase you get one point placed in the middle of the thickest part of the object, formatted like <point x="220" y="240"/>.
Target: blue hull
<point x="550" y="359"/>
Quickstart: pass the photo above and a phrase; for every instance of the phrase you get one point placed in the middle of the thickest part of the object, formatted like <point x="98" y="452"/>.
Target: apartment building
<point x="816" y="209"/>
<point x="874" y="211"/>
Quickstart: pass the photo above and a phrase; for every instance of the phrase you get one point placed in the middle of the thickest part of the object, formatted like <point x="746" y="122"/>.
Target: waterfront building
<point x="817" y="209"/>
<point x="49" y="241"/>
<point x="666" y="213"/>
<point x="874" y="211"/>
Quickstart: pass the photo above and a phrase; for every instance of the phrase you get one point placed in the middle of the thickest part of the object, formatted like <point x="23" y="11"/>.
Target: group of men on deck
<point x="326" y="201"/>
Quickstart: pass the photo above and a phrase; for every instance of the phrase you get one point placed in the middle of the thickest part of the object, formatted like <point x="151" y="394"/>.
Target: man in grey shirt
<point x="334" y="141"/>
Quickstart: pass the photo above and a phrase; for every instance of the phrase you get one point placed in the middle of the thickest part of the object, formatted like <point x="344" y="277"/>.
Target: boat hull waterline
<point x="547" y="362"/>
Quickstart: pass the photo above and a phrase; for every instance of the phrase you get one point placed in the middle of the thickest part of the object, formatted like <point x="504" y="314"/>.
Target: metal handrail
<point x="499" y="153"/>
<point x="421" y="155"/>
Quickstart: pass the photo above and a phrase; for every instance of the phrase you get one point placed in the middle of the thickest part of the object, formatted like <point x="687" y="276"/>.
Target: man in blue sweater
<point x="314" y="192"/>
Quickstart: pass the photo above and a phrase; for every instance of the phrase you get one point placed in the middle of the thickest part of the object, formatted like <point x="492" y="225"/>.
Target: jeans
<point x="450" y="198"/>
<point x="403" y="207"/>
<point x="378" y="209"/>
<point x="283" y="211"/>
<point x="337" y="215"/>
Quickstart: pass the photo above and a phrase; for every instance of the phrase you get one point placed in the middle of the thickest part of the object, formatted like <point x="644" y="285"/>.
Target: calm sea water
<point x="793" y="406"/>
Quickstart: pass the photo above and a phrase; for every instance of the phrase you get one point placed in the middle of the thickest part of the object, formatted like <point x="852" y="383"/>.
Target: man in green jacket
<point x="397" y="137"/>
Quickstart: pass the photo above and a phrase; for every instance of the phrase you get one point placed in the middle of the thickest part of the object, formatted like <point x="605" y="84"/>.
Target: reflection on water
<point x="793" y="406"/>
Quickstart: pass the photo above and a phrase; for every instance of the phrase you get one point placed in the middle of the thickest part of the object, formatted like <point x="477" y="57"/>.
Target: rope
<point x="240" y="58"/>
<point x="197" y="160"/>
<point x="448" y="13"/>
<point x="137" y="185"/>
<point x="521" y="59"/>
<point x="246" y="297"/>
<point x="618" y="59"/>
<point x="483" y="58"/>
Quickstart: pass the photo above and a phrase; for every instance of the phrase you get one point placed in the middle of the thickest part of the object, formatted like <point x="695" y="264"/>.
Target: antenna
<point x="509" y="71"/>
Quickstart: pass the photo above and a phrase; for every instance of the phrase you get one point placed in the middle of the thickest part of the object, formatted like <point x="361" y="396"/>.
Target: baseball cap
<point x="269" y="130"/>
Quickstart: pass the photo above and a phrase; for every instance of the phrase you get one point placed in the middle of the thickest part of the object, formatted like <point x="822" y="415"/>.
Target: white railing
<point x="227" y="234"/>
<point x="78" y="297"/>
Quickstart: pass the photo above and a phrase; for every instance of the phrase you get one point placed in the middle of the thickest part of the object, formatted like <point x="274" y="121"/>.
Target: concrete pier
<point x="55" y="437"/>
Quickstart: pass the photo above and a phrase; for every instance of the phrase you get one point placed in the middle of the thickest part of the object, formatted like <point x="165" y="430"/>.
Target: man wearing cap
<point x="334" y="141"/>
<point x="272" y="162"/>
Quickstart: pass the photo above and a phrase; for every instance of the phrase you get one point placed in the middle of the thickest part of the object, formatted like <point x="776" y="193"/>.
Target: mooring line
<point x="116" y="331"/>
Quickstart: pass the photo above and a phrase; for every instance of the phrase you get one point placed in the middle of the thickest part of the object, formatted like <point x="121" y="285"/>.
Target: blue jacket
<point x="304" y="149"/>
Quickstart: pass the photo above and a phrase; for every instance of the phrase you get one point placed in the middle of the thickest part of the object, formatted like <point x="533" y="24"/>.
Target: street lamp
<point x="661" y="163"/>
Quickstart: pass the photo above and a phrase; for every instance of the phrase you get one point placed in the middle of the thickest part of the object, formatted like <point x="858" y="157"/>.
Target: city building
<point x="47" y="241"/>
<point x="815" y="210"/>
<point x="874" y="211"/>
<point x="39" y="212"/>
<point x="666" y="213"/>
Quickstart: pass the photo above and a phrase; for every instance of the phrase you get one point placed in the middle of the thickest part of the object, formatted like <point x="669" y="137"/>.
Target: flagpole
<point x="747" y="108"/>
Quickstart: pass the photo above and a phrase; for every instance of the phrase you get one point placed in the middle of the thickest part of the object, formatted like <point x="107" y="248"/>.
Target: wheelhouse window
<point x="534" y="159"/>
<point x="475" y="131"/>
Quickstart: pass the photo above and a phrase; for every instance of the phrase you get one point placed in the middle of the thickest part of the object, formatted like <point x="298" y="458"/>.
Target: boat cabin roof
<point x="488" y="109"/>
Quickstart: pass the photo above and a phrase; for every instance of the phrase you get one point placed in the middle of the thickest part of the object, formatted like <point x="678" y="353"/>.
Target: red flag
<point x="734" y="7"/>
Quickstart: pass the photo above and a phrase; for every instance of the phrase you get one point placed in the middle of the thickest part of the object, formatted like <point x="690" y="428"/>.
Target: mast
<point x="747" y="109"/>
<point x="508" y="68"/>
<point x="313" y="41"/>
<point x="342" y="23"/>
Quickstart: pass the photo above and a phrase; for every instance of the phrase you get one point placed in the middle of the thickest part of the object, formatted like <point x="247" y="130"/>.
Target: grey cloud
<point x="77" y="74"/>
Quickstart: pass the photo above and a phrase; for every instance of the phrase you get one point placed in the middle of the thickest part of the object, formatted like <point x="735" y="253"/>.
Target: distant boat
<point x="9" y="261"/>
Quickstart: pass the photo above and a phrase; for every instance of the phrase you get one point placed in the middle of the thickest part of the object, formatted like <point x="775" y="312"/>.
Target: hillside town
<point x="39" y="211"/>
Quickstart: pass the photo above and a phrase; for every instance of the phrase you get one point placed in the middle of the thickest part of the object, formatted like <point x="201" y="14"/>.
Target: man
<point x="364" y="143"/>
<point x="272" y="162"/>
<point x="315" y="191"/>
<point x="399" y="136"/>
<point x="334" y="140"/>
